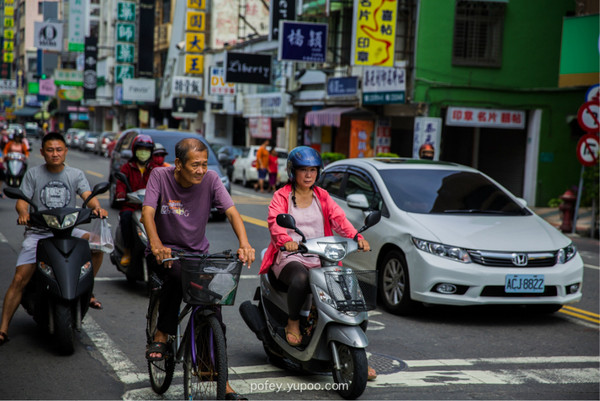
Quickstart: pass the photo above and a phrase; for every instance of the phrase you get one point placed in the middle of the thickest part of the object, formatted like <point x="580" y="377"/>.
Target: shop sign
<point x="47" y="87"/>
<point x="125" y="32"/>
<point x="280" y="10"/>
<point x="347" y="86"/>
<point x="427" y="130"/>
<point x="361" y="132"/>
<point x="126" y="11"/>
<point x="73" y="94"/>
<point x="125" y="53"/>
<point x="302" y="41"/>
<point x="259" y="127"/>
<point x="383" y="138"/>
<point x="275" y="105"/>
<point x="489" y="118"/>
<point x="77" y="14"/>
<point x="194" y="64"/>
<point x="187" y="87"/>
<point x="8" y="86"/>
<point x="48" y="36"/>
<point x="218" y="85"/>
<point x="139" y="90"/>
<point x="374" y="33"/>
<point x="248" y="68"/>
<point x="124" y="71"/>
<point x="383" y="85"/>
<point x="68" y="77"/>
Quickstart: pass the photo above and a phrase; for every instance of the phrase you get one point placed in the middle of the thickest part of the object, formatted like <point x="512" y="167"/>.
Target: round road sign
<point x="593" y="93"/>
<point x="587" y="150"/>
<point x="589" y="116"/>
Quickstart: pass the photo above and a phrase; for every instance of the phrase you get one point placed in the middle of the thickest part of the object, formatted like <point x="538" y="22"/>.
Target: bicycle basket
<point x="353" y="291"/>
<point x="207" y="281"/>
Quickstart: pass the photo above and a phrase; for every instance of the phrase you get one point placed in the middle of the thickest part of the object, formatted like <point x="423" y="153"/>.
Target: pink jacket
<point x="333" y="216"/>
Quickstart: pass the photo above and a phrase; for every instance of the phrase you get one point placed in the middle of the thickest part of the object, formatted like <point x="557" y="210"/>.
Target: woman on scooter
<point x="316" y="215"/>
<point x="137" y="170"/>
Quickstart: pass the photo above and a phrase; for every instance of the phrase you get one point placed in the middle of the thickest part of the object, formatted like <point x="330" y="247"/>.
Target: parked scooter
<point x="336" y="340"/>
<point x="137" y="268"/>
<point x="15" y="167"/>
<point x="58" y="295"/>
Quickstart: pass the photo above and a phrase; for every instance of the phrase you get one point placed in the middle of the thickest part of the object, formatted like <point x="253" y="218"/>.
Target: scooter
<point x="137" y="268"/>
<point x="58" y="295"/>
<point x="15" y="167"/>
<point x="334" y="337"/>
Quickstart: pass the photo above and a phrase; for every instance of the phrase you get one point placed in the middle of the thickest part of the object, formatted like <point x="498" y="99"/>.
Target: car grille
<point x="498" y="291"/>
<point x="514" y="259"/>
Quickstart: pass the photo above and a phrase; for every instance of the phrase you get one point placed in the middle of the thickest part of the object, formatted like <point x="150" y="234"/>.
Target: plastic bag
<point x="223" y="282"/>
<point x="100" y="236"/>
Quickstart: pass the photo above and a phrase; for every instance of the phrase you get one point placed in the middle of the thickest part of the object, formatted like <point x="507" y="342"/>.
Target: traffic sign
<point x="589" y="116"/>
<point x="587" y="150"/>
<point x="593" y="93"/>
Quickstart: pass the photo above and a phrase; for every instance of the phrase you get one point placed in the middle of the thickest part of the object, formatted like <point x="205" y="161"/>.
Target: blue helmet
<point x="303" y="156"/>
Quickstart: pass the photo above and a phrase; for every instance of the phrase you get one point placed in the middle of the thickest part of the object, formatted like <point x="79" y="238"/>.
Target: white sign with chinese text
<point x="428" y="130"/>
<point x="491" y="118"/>
<point x="139" y="90"/>
<point x="218" y="86"/>
<point x="187" y="87"/>
<point x="8" y="86"/>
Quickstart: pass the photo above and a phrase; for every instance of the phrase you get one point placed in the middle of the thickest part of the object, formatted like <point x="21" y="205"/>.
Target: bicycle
<point x="207" y="281"/>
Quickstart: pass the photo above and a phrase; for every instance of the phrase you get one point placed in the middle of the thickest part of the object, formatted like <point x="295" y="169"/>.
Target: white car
<point x="244" y="168"/>
<point x="451" y="235"/>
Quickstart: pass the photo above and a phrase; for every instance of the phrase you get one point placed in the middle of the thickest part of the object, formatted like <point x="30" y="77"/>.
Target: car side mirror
<point x="358" y="201"/>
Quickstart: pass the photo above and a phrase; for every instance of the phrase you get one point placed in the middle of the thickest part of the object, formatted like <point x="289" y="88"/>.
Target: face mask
<point x="159" y="159"/>
<point x="142" y="155"/>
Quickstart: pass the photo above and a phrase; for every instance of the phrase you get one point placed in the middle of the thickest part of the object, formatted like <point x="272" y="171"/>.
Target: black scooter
<point x="58" y="295"/>
<point x="137" y="268"/>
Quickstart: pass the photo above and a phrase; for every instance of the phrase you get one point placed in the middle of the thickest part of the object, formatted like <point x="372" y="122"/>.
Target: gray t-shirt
<point x="54" y="190"/>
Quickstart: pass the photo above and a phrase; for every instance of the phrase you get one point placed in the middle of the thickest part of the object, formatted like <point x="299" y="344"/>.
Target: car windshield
<point x="448" y="192"/>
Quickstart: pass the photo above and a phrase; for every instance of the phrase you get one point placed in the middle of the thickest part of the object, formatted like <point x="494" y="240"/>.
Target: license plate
<point x="527" y="283"/>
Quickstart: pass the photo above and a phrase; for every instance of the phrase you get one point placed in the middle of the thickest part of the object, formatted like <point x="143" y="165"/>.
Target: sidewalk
<point x="553" y="216"/>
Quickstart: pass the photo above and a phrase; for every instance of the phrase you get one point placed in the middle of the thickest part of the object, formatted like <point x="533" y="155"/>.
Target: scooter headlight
<point x="46" y="269"/>
<point x="334" y="251"/>
<point x="85" y="269"/>
<point x="51" y="221"/>
<point x="68" y="221"/>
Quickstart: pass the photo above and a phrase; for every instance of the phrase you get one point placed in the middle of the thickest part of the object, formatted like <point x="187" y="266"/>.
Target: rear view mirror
<point x="286" y="221"/>
<point x="357" y="201"/>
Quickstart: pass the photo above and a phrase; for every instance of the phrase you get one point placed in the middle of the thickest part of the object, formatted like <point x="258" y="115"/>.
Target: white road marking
<point x="592" y="267"/>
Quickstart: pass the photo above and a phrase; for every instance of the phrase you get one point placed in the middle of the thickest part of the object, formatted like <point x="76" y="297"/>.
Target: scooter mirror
<point x="286" y="221"/>
<point x="373" y="218"/>
<point x="16" y="193"/>
<point x="98" y="189"/>
<point x="123" y="178"/>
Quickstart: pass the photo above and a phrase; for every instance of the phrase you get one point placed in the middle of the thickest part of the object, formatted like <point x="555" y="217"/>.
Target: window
<point x="332" y="182"/>
<point x="478" y="28"/>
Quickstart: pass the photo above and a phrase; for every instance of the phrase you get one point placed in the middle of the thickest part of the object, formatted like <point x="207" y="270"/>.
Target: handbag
<point x="100" y="236"/>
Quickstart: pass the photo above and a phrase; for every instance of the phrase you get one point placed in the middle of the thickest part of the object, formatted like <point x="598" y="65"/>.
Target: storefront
<point x="266" y="118"/>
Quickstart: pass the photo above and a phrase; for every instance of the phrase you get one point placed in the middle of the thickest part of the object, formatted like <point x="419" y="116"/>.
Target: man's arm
<point x="23" y="211"/>
<point x="245" y="251"/>
<point x="94" y="204"/>
<point x="159" y="251"/>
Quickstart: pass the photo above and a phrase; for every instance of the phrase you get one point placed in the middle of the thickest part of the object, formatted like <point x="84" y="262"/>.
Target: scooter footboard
<point x="352" y="336"/>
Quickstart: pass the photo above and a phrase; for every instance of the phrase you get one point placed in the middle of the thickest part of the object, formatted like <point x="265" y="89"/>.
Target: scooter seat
<point x="278" y="285"/>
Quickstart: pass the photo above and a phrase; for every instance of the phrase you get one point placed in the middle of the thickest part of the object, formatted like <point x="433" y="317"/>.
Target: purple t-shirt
<point x="182" y="213"/>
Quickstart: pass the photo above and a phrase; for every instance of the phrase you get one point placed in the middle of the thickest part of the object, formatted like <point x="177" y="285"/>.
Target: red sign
<point x="492" y="118"/>
<point x="587" y="150"/>
<point x="589" y="116"/>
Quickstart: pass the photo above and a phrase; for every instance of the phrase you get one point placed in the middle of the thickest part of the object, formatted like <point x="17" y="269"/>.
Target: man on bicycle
<point x="177" y="205"/>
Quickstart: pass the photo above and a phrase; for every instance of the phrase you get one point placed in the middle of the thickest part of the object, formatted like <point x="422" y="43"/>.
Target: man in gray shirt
<point x="51" y="185"/>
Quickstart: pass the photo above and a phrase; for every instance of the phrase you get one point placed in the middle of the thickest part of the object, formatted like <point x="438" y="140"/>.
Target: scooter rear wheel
<point x="352" y="376"/>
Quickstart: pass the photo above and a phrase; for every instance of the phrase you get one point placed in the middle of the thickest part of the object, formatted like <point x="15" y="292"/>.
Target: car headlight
<point x="334" y="251"/>
<point x="565" y="254"/>
<point x="445" y="251"/>
<point x="68" y="221"/>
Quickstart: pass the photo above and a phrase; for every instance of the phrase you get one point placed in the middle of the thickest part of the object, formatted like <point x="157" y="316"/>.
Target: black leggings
<point x="295" y="276"/>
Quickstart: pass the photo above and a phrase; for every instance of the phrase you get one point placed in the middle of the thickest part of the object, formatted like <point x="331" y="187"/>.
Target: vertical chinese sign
<point x="374" y="34"/>
<point x="124" y="46"/>
<point x="77" y="12"/>
<point x="8" y="37"/>
<point x="195" y="26"/>
<point x="361" y="132"/>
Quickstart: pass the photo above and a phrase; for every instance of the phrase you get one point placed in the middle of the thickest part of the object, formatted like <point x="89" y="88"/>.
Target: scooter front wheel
<point x="63" y="328"/>
<point x="351" y="378"/>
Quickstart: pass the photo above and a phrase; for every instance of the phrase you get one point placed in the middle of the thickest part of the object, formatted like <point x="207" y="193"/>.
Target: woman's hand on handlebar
<point x="291" y="246"/>
<point x="363" y="245"/>
<point x="161" y="253"/>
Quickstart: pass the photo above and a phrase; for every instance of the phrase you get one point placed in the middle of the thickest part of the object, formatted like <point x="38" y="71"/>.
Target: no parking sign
<point x="589" y="116"/>
<point x="587" y="150"/>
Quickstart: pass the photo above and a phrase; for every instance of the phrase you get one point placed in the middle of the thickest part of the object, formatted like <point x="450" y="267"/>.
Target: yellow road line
<point x="94" y="173"/>
<point x="579" y="316"/>
<point x="584" y="312"/>
<point x="253" y="220"/>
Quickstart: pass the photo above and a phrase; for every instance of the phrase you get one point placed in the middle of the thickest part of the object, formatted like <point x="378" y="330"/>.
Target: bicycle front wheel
<point x="205" y="363"/>
<point x="161" y="372"/>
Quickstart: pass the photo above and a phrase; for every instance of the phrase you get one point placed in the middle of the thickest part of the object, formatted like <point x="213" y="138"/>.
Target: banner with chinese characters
<point x="8" y="28"/>
<point x="281" y="10"/>
<point x="195" y="26"/>
<point x="125" y="36"/>
<point x="374" y="33"/>
<point x="187" y="87"/>
<point x="361" y="132"/>
<point x="382" y="85"/>
<point x="77" y="15"/>
<point x="491" y="118"/>
<point x="302" y="41"/>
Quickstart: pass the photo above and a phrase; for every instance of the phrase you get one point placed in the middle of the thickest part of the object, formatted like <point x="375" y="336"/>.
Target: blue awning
<point x="26" y="111"/>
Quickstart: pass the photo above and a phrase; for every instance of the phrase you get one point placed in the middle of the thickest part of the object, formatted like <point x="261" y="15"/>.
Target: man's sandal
<point x="157" y="348"/>
<point x="4" y="338"/>
<point x="94" y="303"/>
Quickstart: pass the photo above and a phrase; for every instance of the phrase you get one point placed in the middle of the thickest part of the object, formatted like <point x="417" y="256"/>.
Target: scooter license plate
<point x="524" y="283"/>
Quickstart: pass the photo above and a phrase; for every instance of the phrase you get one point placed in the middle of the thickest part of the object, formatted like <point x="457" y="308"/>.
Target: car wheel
<point x="394" y="284"/>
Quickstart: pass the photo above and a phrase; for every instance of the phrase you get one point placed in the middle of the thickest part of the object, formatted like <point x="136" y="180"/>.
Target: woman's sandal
<point x="4" y="338"/>
<point x="94" y="303"/>
<point x="297" y="337"/>
<point x="371" y="374"/>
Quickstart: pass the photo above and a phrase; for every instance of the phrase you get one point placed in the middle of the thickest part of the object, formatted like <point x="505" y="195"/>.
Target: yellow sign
<point x="9" y="22"/>
<point x="9" y="2"/>
<point x="9" y="34"/>
<point x="8" y="57"/>
<point x="194" y="42"/>
<point x="374" y="32"/>
<point x="194" y="64"/>
<point x="195" y="21"/>
<point x="196" y="4"/>
<point x="9" y="11"/>
<point x="73" y="94"/>
<point x="9" y="45"/>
